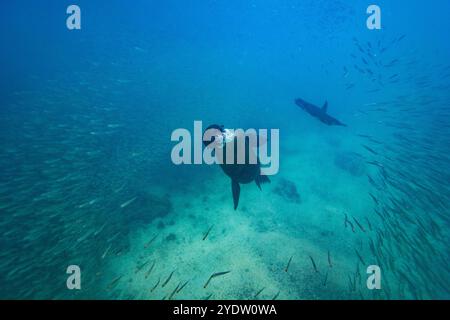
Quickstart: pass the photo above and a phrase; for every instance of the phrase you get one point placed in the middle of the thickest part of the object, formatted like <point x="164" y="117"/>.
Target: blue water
<point x="87" y="179"/>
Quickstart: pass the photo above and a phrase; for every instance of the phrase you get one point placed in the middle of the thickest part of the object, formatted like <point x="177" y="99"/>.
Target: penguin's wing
<point x="236" y="189"/>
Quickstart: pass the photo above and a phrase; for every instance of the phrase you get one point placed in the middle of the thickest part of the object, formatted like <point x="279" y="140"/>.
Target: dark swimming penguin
<point x="239" y="173"/>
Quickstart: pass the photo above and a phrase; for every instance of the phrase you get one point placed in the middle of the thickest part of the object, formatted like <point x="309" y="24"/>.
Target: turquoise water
<point x="87" y="179"/>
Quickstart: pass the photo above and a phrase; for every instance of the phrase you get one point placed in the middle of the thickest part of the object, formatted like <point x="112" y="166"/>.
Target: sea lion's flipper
<point x="236" y="191"/>
<point x="261" y="179"/>
<point x="264" y="179"/>
<point x="258" y="182"/>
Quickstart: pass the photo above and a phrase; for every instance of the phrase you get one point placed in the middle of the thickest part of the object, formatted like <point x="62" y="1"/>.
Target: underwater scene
<point x="96" y="95"/>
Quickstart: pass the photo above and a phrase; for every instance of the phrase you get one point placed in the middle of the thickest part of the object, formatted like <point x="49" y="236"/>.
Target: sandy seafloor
<point x="256" y="241"/>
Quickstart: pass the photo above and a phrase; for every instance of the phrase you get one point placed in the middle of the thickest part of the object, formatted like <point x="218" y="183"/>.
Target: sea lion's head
<point x="213" y="135"/>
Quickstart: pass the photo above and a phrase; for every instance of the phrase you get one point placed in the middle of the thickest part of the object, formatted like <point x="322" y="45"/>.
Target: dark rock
<point x="171" y="237"/>
<point x="161" y="225"/>
<point x="351" y="162"/>
<point x="287" y="190"/>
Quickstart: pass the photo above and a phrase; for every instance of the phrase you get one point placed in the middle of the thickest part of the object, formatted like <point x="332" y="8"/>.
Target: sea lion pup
<point x="250" y="170"/>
